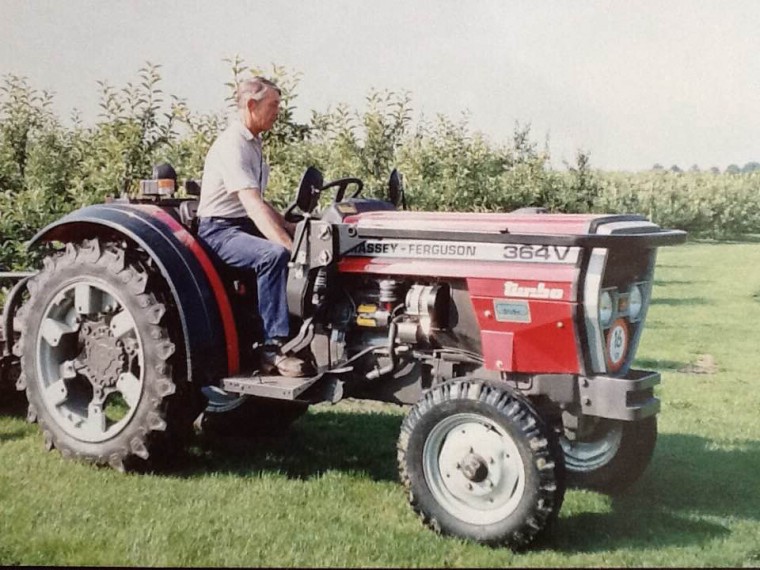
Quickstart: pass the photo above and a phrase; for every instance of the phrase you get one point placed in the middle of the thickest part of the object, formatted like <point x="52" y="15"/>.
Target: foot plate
<point x="277" y="387"/>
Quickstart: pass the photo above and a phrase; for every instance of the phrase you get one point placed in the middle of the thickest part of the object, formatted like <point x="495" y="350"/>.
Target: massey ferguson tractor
<point x="510" y="336"/>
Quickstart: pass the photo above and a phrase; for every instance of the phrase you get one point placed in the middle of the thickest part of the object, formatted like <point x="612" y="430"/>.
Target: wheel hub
<point x="103" y="355"/>
<point x="474" y="468"/>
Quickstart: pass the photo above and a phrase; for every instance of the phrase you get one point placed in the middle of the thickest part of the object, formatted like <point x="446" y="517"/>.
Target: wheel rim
<point x="89" y="361"/>
<point x="221" y="401"/>
<point x="592" y="451"/>
<point x="473" y="469"/>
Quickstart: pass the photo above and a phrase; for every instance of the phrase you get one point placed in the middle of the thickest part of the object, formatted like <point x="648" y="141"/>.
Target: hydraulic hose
<point x="391" y="366"/>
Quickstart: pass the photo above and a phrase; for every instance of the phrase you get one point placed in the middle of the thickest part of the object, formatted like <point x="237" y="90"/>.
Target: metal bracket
<point x="302" y="339"/>
<point x="630" y="398"/>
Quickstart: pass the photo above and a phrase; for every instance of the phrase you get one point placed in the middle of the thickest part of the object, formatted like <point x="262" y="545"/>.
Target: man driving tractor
<point x="242" y="228"/>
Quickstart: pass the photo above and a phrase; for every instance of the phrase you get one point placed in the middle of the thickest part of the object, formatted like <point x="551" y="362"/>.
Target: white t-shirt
<point x="234" y="162"/>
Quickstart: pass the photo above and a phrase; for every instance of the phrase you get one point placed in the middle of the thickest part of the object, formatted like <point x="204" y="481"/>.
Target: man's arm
<point x="268" y="220"/>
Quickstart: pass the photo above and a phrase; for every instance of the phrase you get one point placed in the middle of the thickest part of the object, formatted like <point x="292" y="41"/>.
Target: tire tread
<point x="546" y="451"/>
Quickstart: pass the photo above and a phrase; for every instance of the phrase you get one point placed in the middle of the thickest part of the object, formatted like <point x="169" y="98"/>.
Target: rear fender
<point x="208" y="326"/>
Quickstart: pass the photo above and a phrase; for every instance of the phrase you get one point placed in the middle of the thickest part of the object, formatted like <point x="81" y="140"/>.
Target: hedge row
<point x="48" y="168"/>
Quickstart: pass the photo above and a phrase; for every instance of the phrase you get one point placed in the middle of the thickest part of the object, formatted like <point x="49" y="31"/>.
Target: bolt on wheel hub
<point x="103" y="356"/>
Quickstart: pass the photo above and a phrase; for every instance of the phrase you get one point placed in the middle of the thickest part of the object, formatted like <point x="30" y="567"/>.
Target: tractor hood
<point x="510" y="223"/>
<point x="397" y="242"/>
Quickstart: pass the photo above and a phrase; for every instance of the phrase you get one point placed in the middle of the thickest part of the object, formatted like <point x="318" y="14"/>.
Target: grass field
<point x="327" y="494"/>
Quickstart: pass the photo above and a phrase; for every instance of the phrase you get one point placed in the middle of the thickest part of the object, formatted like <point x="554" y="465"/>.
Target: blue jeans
<point x="237" y="243"/>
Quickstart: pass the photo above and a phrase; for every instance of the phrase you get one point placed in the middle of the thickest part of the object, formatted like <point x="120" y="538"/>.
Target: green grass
<point x="327" y="494"/>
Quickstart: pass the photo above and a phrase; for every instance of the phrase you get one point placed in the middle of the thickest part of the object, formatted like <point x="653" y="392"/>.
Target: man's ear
<point x="250" y="104"/>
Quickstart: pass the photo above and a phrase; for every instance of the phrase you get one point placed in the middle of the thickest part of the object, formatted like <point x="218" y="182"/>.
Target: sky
<point x="631" y="83"/>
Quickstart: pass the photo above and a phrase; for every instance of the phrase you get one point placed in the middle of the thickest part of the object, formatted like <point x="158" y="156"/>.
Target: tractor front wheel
<point x="99" y="357"/>
<point x="608" y="456"/>
<point x="479" y="462"/>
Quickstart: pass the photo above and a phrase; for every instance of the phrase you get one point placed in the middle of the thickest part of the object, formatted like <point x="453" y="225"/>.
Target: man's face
<point x="264" y="112"/>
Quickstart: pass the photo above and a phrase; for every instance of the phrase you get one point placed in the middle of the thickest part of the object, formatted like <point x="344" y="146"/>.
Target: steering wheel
<point x="342" y="184"/>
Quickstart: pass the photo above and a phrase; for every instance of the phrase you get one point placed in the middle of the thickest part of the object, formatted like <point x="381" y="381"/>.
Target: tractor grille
<point x="617" y="293"/>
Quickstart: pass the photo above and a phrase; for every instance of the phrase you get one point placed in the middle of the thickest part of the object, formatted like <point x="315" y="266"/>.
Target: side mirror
<point x="309" y="188"/>
<point x="396" y="189"/>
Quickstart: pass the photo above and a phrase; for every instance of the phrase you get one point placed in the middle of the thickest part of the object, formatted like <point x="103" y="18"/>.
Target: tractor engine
<point x="376" y="313"/>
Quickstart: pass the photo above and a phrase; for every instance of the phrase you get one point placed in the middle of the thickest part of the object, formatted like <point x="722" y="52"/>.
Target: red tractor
<point x="511" y="336"/>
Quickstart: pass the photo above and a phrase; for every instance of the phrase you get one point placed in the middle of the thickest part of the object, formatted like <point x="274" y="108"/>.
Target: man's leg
<point x="238" y="248"/>
<point x="241" y="250"/>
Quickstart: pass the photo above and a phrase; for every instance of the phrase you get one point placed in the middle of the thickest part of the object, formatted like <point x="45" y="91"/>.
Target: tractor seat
<point x="188" y="209"/>
<point x="188" y="215"/>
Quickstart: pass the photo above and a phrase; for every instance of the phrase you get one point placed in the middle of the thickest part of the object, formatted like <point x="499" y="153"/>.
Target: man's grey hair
<point x="255" y="88"/>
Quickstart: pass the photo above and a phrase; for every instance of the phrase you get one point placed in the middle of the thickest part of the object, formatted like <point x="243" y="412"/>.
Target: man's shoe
<point x="273" y="361"/>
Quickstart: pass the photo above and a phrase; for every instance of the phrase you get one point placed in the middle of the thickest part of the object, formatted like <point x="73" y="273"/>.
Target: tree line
<point x="748" y="168"/>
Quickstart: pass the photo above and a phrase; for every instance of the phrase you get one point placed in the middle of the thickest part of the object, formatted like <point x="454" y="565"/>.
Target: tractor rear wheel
<point x="99" y="358"/>
<point x="608" y="456"/>
<point x="232" y="414"/>
<point x="479" y="462"/>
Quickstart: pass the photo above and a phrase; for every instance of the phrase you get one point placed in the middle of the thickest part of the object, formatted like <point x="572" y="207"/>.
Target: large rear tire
<point x="608" y="456"/>
<point x="480" y="463"/>
<point x="99" y="358"/>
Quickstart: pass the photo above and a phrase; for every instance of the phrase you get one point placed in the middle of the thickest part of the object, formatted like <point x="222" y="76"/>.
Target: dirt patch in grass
<point x="703" y="364"/>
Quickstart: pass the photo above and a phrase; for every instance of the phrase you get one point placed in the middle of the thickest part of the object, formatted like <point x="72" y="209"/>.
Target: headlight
<point x="635" y="302"/>
<point x="605" y="308"/>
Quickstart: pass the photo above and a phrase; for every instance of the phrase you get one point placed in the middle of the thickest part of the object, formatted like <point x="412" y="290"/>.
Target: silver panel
<point x="463" y="250"/>
<point x="276" y="387"/>
<point x="591" y="291"/>
<point x="630" y="227"/>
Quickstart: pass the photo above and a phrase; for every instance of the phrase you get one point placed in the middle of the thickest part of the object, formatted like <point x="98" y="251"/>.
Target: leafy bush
<point x="36" y="156"/>
<point x="48" y="169"/>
